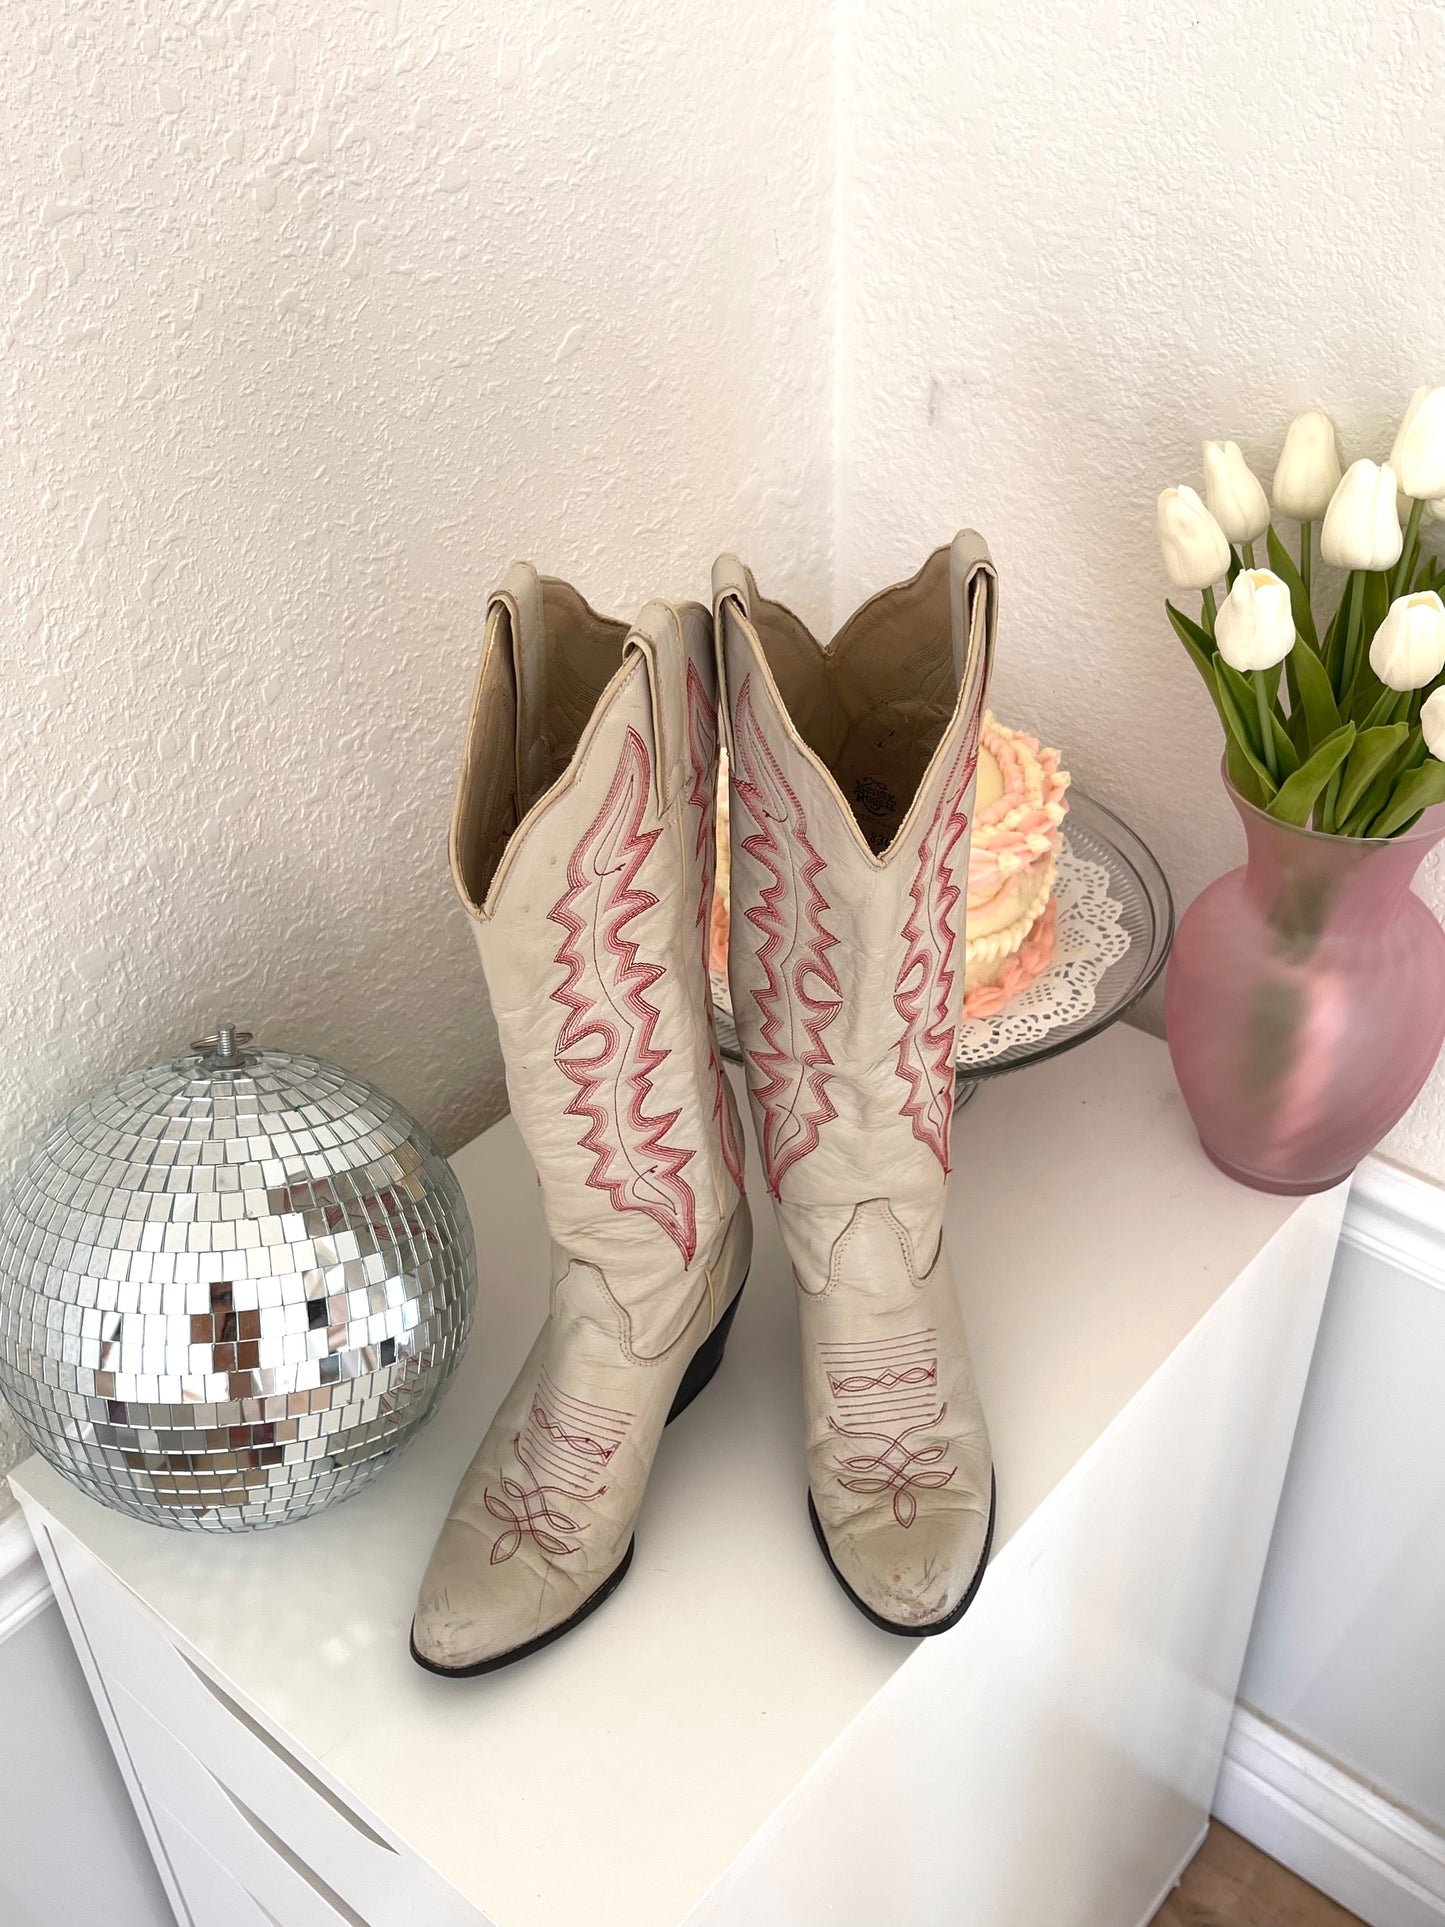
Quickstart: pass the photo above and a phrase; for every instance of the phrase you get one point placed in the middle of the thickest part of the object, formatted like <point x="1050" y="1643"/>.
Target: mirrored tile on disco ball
<point x="231" y="1288"/>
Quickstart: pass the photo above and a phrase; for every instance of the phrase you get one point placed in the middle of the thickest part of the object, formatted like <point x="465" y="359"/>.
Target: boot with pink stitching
<point x="852" y="773"/>
<point x="582" y="846"/>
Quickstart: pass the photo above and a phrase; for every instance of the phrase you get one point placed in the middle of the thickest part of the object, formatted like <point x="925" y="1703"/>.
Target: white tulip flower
<point x="1236" y="500"/>
<point x="1308" y="472"/>
<point x="1432" y="723"/>
<point x="1361" y="528"/>
<point x="1418" y="457"/>
<point x="1409" y="646"/>
<point x="1255" y="625"/>
<point x="1196" y="553"/>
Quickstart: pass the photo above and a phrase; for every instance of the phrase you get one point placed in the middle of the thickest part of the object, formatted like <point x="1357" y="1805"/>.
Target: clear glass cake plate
<point x="1139" y="905"/>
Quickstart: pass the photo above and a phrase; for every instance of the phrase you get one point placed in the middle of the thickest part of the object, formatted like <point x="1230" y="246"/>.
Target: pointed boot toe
<point x="470" y="1619"/>
<point x="914" y="1579"/>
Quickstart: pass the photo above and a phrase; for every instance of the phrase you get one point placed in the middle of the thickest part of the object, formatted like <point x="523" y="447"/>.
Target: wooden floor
<point x="1229" y="1883"/>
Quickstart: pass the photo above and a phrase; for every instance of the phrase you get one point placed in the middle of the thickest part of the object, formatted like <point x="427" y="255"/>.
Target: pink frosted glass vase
<point x="1305" y="1003"/>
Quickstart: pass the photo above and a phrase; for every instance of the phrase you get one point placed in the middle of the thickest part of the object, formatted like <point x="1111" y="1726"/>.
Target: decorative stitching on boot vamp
<point x="564" y="1445"/>
<point x="885" y="1392"/>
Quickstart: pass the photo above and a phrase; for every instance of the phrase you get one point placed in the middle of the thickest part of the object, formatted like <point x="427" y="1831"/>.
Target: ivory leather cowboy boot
<point x="852" y="773"/>
<point x="582" y="845"/>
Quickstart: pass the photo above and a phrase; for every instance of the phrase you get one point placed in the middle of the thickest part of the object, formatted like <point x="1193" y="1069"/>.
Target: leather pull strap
<point x="657" y="636"/>
<point x="730" y="577"/>
<point x="973" y="606"/>
<point x="520" y="595"/>
<point x="733" y="591"/>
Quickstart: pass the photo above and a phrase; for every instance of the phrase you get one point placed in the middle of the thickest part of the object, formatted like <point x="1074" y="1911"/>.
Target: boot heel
<point x="706" y="1359"/>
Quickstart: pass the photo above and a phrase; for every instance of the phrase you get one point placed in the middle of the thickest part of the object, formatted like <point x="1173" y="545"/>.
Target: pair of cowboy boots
<point x="582" y="844"/>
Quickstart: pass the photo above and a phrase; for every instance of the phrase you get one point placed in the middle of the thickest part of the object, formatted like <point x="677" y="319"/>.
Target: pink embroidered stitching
<point x="898" y="1468"/>
<point x="883" y="1381"/>
<point x="923" y="992"/>
<point x="599" y="1451"/>
<point x="559" y="1451"/>
<point x="539" y="1517"/>
<point x="702" y="749"/>
<point x="886" y="1390"/>
<point x="605" y="1046"/>
<point x="800" y="997"/>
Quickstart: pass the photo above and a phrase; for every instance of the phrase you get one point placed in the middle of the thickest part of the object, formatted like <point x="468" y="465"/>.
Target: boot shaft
<point x="582" y="847"/>
<point x="852" y="777"/>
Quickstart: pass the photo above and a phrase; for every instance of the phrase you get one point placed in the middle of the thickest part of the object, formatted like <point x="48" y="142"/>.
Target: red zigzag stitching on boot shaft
<point x="800" y="998"/>
<point x="605" y="1046"/>
<point x="924" y="991"/>
<point x="702" y="749"/>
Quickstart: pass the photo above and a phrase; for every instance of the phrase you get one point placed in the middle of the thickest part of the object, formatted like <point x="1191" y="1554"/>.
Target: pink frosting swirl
<point x="1016" y="833"/>
<point x="1031" y="960"/>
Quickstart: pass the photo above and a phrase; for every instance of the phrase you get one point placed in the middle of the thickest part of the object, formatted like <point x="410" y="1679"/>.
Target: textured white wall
<point x="311" y="318"/>
<point x="1074" y="240"/>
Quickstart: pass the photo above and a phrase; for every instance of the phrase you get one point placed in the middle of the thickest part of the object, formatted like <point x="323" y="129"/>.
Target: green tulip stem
<point x="1407" y="551"/>
<point x="1209" y="610"/>
<point x="1249" y="555"/>
<point x="1351" y="662"/>
<point x="1304" y="556"/>
<point x="1266" y="727"/>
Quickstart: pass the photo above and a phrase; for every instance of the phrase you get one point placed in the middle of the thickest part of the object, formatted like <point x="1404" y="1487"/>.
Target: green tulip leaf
<point x="1374" y="749"/>
<point x="1390" y="706"/>
<point x="1300" y="792"/>
<point x="1374" y="800"/>
<point x="1200" y="646"/>
<point x="1299" y="597"/>
<point x="1286" y="757"/>
<point x="1416" y="790"/>
<point x="1242" y="773"/>
<point x="1317" y="698"/>
<point x="1332" y="650"/>
<point x="1297" y="723"/>
<point x="1367" y="692"/>
<point x="1236" y="706"/>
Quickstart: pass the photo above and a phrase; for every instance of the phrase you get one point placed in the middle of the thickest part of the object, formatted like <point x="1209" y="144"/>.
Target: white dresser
<point x="728" y="1741"/>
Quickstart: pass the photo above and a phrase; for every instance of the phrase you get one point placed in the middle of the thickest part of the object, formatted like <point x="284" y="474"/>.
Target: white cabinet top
<point x="1089" y="1236"/>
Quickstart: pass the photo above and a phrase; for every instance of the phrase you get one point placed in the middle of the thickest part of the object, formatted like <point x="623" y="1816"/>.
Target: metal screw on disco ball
<point x="232" y="1287"/>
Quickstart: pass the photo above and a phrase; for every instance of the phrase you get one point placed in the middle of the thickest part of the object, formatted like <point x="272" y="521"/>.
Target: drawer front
<point x="212" y="1897"/>
<point x="386" y="1885"/>
<point x="179" y="1786"/>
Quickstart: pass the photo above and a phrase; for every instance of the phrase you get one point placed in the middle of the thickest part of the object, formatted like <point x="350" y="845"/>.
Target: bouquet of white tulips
<point x="1353" y="741"/>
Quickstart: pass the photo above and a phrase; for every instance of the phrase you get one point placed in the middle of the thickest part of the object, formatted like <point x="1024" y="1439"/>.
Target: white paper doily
<point x="1091" y="938"/>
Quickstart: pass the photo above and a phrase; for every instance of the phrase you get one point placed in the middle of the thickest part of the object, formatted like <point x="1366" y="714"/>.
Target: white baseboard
<point x="1398" y="1216"/>
<point x="1338" y="1832"/>
<point x="1333" y="1830"/>
<point x="24" y="1588"/>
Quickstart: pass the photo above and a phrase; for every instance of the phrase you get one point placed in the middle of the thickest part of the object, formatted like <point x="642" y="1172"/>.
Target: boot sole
<point x="702" y="1369"/>
<point x="892" y="1625"/>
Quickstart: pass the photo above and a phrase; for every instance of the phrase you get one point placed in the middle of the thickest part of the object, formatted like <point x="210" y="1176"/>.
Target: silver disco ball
<point x="232" y="1287"/>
